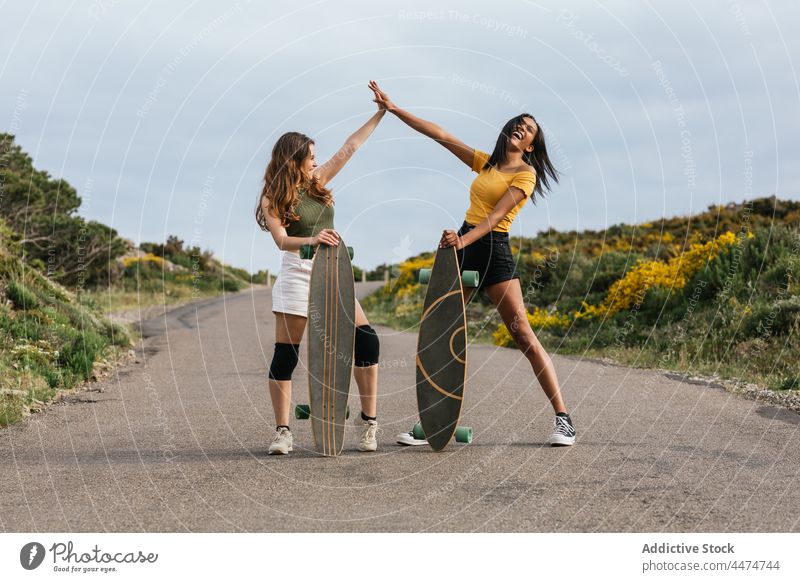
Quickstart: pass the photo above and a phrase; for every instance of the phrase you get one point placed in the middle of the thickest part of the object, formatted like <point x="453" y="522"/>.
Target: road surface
<point x="178" y="442"/>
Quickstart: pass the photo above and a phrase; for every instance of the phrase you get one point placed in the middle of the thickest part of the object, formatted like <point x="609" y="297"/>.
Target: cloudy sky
<point x="163" y="115"/>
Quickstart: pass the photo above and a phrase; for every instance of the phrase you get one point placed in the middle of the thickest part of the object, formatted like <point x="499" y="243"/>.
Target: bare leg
<point x="289" y="329"/>
<point x="366" y="376"/>
<point x="507" y="297"/>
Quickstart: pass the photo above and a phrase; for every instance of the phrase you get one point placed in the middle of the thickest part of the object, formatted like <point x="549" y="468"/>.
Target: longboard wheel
<point x="469" y="278"/>
<point x="350" y="252"/>
<point x="424" y="276"/>
<point x="464" y="434"/>
<point x="306" y="252"/>
<point x="303" y="412"/>
<point x="418" y="432"/>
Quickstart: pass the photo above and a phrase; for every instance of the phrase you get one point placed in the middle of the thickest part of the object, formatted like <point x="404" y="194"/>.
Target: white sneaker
<point x="408" y="439"/>
<point x="369" y="429"/>
<point x="282" y="443"/>
<point x="563" y="432"/>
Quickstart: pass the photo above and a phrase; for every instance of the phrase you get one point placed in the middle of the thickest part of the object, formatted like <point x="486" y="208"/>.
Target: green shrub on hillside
<point x="20" y="296"/>
<point x="72" y="250"/>
<point x="48" y="340"/>
<point x="699" y="293"/>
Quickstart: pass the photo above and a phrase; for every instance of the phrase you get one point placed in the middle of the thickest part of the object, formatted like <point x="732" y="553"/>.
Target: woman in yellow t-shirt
<point x="516" y="170"/>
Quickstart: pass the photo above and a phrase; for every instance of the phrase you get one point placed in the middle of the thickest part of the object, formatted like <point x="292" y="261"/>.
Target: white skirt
<point x="290" y="292"/>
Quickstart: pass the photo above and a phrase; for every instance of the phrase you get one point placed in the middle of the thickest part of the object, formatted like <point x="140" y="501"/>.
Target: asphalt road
<point x="178" y="442"/>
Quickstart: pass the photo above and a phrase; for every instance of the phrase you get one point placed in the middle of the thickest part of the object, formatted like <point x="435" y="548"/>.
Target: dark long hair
<point x="537" y="158"/>
<point x="283" y="177"/>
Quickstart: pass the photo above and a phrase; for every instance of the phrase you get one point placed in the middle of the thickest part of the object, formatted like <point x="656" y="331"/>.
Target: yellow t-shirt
<point x="490" y="186"/>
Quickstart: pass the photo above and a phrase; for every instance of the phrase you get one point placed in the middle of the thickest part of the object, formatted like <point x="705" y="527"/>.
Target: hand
<point x="381" y="98"/>
<point x="450" y="238"/>
<point x="327" y="236"/>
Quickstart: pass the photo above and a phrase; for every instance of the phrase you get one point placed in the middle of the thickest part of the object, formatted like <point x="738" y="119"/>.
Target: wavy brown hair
<point x="283" y="177"/>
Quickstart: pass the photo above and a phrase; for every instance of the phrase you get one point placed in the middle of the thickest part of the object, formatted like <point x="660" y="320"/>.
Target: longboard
<point x="442" y="351"/>
<point x="331" y="337"/>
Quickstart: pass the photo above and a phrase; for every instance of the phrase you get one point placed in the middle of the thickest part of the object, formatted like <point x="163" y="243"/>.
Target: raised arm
<point x="329" y="169"/>
<point x="454" y="145"/>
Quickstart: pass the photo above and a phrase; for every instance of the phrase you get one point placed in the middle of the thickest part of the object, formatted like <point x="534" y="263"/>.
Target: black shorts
<point x="490" y="255"/>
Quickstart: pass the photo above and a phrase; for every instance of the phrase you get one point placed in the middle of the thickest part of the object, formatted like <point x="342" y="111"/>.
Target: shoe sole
<point x="280" y="451"/>
<point x="564" y="443"/>
<point x="368" y="449"/>
<point x="412" y="444"/>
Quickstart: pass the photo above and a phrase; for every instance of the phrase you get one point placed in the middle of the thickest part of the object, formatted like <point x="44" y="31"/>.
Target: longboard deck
<point x="331" y="336"/>
<point x="442" y="351"/>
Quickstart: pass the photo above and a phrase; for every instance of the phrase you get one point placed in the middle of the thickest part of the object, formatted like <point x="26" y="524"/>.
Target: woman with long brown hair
<point x="296" y="208"/>
<point x="517" y="168"/>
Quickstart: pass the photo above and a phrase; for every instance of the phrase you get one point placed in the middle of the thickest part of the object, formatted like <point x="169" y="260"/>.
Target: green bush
<point x="11" y="409"/>
<point x="229" y="285"/>
<point x="116" y="334"/>
<point x="20" y="296"/>
<point x="22" y="327"/>
<point x="81" y="353"/>
<point x="789" y="383"/>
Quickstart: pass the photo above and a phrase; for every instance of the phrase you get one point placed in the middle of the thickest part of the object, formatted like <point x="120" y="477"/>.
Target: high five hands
<point x="449" y="237"/>
<point x="381" y="98"/>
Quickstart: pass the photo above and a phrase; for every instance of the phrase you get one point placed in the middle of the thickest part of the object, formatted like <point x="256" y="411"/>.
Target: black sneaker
<point x="563" y="432"/>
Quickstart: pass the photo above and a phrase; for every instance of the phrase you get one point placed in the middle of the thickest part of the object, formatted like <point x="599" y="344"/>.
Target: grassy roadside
<point x="756" y="380"/>
<point x="54" y="343"/>
<point x="53" y="340"/>
<point x="116" y="301"/>
<point x="723" y="305"/>
<point x="62" y="274"/>
<point x="49" y="340"/>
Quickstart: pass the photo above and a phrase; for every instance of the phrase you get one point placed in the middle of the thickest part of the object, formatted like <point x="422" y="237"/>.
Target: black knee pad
<point x="367" y="346"/>
<point x="284" y="361"/>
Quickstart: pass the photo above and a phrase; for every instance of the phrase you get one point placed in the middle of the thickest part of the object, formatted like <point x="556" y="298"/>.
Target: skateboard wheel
<point x="303" y="411"/>
<point x="306" y="252"/>
<point x="418" y="432"/>
<point x="350" y="252"/>
<point x="424" y="276"/>
<point x="464" y="434"/>
<point x="469" y="278"/>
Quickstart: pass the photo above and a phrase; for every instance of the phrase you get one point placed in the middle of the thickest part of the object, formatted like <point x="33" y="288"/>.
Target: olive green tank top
<point x="314" y="217"/>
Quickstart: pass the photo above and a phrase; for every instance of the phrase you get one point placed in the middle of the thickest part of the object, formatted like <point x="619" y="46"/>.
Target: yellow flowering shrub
<point x="406" y="289"/>
<point x="148" y="258"/>
<point x="539" y="319"/>
<point x="674" y="274"/>
<point x="409" y="268"/>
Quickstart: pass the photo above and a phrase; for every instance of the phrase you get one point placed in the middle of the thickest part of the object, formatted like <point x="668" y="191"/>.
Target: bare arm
<point x="326" y="172"/>
<point x="454" y="145"/>
<point x="509" y="200"/>
<point x="293" y="243"/>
